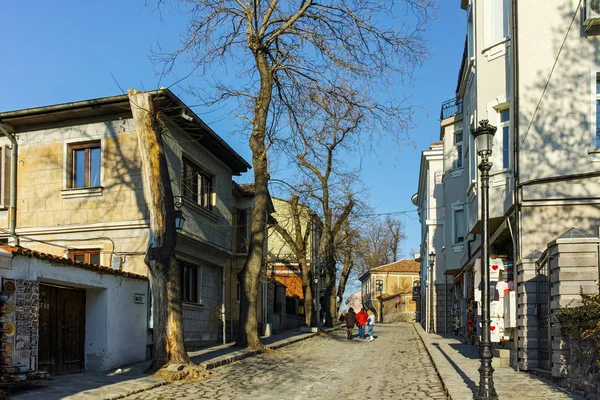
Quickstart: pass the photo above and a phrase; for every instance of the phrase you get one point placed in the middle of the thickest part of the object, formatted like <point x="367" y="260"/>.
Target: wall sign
<point x="139" y="298"/>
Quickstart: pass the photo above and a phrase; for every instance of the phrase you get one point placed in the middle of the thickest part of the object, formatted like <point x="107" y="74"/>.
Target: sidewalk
<point x="457" y="366"/>
<point x="132" y="379"/>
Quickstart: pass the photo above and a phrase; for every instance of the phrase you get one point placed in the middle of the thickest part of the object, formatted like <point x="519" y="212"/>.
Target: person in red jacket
<point x="361" y="321"/>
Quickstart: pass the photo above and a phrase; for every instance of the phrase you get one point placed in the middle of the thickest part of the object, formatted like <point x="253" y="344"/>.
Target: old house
<point x="72" y="186"/>
<point x="387" y="288"/>
<point x="65" y="316"/>
<point x="282" y="263"/>
<point x="243" y="204"/>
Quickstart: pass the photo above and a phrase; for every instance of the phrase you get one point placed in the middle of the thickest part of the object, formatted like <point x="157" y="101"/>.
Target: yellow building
<point x="391" y="289"/>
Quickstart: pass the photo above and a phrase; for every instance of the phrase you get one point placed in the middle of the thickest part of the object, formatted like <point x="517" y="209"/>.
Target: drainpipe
<point x="516" y="235"/>
<point x="13" y="182"/>
<point x="223" y="306"/>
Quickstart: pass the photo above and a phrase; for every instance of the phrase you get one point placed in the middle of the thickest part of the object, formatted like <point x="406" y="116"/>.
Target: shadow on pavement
<point x="466" y="351"/>
<point x="105" y="382"/>
<point x="468" y="381"/>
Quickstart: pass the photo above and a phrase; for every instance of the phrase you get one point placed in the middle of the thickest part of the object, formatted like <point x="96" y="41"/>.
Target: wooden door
<point x="62" y="330"/>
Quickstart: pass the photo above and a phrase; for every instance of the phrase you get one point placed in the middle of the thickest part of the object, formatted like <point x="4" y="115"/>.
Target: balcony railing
<point x="451" y="107"/>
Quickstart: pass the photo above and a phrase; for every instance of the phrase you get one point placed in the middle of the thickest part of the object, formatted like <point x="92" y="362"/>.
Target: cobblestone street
<point x="395" y="365"/>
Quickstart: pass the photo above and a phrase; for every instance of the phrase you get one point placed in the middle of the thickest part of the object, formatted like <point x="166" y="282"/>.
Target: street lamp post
<point x="484" y="135"/>
<point x="431" y="284"/>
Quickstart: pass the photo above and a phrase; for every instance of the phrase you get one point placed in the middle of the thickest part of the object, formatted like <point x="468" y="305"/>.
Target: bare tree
<point x="279" y="48"/>
<point x="396" y="232"/>
<point x="379" y="242"/>
<point x="164" y="270"/>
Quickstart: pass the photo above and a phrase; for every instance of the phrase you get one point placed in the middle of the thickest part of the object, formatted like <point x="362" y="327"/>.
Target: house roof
<point x="398" y="266"/>
<point x="247" y="190"/>
<point x="167" y="102"/>
<point x="247" y="187"/>
<point x="60" y="261"/>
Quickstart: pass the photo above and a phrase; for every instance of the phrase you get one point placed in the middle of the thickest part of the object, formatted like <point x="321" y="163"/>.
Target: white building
<point x="72" y="316"/>
<point x="532" y="70"/>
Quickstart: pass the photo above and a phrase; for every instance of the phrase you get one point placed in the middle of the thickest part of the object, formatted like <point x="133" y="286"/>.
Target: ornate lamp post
<point x="484" y="136"/>
<point x="431" y="284"/>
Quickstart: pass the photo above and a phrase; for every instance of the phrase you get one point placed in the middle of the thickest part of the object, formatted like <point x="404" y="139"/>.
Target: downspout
<point x="223" y="306"/>
<point x="515" y="118"/>
<point x="13" y="183"/>
<point x="515" y="108"/>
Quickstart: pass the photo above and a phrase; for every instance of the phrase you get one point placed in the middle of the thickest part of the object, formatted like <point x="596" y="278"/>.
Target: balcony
<point x="451" y="107"/>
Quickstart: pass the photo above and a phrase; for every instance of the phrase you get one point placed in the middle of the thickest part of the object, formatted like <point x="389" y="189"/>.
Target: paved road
<point x="395" y="365"/>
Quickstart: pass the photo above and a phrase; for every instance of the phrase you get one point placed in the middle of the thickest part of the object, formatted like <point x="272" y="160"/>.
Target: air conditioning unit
<point x="592" y="14"/>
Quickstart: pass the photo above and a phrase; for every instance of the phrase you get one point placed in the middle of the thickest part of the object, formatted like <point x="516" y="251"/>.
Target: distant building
<point x="399" y="278"/>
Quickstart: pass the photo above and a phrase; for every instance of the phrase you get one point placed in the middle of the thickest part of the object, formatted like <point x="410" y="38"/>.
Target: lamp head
<point x="179" y="219"/>
<point x="432" y="257"/>
<point x="484" y="136"/>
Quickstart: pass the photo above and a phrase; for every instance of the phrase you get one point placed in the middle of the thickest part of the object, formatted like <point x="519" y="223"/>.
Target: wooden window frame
<point x="87" y="146"/>
<point x="189" y="287"/>
<point x="86" y="253"/>
<point x="379" y="285"/>
<point x="197" y="184"/>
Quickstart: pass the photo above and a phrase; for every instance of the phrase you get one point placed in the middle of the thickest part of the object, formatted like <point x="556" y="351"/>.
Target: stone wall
<point x="526" y="314"/>
<point x="574" y="268"/>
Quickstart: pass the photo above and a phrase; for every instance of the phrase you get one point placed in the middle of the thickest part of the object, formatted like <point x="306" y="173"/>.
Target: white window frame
<point x="458" y="148"/>
<point x="458" y="207"/>
<point x="501" y="126"/>
<point x="496" y="22"/>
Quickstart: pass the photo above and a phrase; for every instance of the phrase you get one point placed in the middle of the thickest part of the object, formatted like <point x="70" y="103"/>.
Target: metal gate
<point x="544" y="333"/>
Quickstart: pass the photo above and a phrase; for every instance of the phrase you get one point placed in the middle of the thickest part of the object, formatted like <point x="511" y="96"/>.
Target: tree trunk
<point x="307" y="291"/>
<point x="342" y="286"/>
<point x="250" y="274"/>
<point x="330" y="275"/>
<point x="165" y="274"/>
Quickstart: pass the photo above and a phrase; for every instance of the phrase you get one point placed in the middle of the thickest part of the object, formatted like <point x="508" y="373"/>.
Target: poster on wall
<point x="26" y="320"/>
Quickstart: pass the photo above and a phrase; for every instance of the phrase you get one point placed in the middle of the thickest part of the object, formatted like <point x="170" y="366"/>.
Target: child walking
<point x="370" y="324"/>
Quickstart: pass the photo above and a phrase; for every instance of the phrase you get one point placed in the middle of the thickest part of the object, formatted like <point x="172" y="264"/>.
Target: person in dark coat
<point x="350" y="320"/>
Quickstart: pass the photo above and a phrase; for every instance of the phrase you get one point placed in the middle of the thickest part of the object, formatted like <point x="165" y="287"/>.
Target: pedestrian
<point x="370" y="324"/>
<point x="361" y="320"/>
<point x="350" y="320"/>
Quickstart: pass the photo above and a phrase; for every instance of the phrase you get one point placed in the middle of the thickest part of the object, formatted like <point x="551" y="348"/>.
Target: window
<point x="242" y="231"/>
<point x="189" y="283"/>
<point x="88" y="256"/>
<point x="379" y="285"/>
<point x="238" y="291"/>
<point x="496" y="18"/>
<point x="504" y="127"/>
<point x="459" y="224"/>
<point x="597" y="136"/>
<point x="84" y="164"/>
<point x="458" y="145"/>
<point x="197" y="184"/>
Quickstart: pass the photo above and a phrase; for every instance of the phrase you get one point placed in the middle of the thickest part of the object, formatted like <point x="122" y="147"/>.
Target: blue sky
<point x="56" y="52"/>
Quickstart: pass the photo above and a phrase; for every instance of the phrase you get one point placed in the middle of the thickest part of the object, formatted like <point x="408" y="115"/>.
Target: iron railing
<point x="451" y="107"/>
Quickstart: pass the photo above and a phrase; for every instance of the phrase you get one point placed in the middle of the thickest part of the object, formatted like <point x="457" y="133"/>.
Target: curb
<point x="435" y="367"/>
<point x="236" y="357"/>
